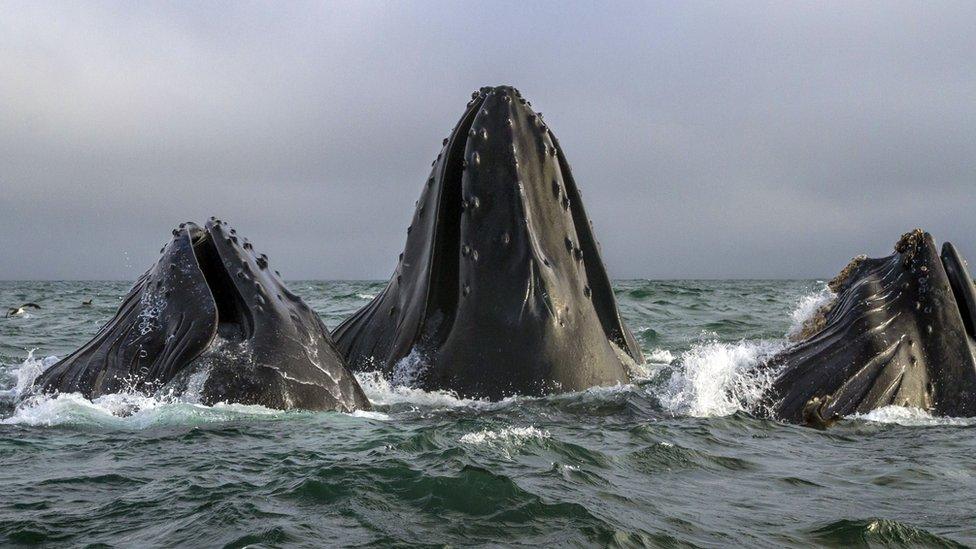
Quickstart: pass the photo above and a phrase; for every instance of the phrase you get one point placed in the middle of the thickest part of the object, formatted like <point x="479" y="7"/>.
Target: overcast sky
<point x="710" y="140"/>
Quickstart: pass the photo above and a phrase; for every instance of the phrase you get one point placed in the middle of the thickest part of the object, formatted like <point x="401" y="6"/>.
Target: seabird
<point x="87" y="303"/>
<point x="15" y="311"/>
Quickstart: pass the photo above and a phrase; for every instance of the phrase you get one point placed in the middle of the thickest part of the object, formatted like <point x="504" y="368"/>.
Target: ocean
<point x="675" y="459"/>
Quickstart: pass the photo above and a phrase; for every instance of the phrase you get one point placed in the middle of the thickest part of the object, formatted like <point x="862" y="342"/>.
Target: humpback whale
<point x="212" y="315"/>
<point x="899" y="332"/>
<point x="500" y="288"/>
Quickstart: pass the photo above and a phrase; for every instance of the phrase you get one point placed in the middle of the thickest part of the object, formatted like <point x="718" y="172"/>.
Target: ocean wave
<point x="878" y="531"/>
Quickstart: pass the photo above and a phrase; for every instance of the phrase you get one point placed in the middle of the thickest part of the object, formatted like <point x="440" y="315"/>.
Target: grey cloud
<point x="710" y="140"/>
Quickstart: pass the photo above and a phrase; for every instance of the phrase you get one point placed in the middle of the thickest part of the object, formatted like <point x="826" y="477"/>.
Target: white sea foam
<point x="370" y="414"/>
<point x="126" y="411"/>
<point x="366" y="296"/>
<point x="381" y="391"/>
<point x="718" y="379"/>
<point x="902" y="415"/>
<point x="659" y="356"/>
<point x="508" y="436"/>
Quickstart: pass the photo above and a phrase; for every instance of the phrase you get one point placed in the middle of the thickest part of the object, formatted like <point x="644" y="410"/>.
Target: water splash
<point x="660" y="356"/>
<point x="407" y="370"/>
<point x="126" y="411"/>
<point x="807" y="307"/>
<point x="383" y="392"/>
<point x="152" y="306"/>
<point x="718" y="379"/>
<point x="27" y="372"/>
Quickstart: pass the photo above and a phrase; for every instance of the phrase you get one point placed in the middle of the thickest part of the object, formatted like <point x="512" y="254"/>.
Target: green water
<point x="674" y="459"/>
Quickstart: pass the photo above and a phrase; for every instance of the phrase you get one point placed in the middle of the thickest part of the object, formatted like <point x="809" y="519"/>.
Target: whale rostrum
<point x="211" y="316"/>
<point x="500" y="288"/>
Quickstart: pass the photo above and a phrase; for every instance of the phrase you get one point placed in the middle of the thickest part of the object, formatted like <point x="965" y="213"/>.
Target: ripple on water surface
<point x="674" y="459"/>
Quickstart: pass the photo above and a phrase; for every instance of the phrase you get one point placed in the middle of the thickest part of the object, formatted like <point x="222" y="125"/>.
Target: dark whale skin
<point x="500" y="289"/>
<point x="212" y="301"/>
<point x="895" y="335"/>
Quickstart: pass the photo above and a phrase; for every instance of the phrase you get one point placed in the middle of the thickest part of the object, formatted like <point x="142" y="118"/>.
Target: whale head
<point x="212" y="310"/>
<point x="900" y="332"/>
<point x="500" y="288"/>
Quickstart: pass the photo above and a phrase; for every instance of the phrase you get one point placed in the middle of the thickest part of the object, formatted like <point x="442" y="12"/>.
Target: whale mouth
<point x="234" y="318"/>
<point x="446" y="268"/>
<point x="961" y="282"/>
